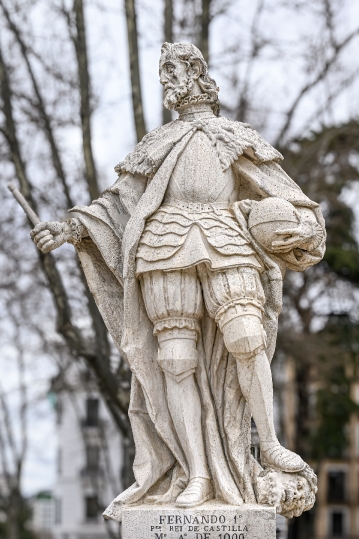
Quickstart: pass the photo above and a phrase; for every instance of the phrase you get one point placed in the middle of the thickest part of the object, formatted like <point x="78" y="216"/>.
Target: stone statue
<point x="190" y="288"/>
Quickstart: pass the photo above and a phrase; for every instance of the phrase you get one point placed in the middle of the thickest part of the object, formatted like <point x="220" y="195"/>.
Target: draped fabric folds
<point x="108" y="259"/>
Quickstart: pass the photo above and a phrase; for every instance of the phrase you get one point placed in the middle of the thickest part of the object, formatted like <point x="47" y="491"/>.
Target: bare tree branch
<point x="40" y="106"/>
<point x="102" y="344"/>
<point x="256" y="45"/>
<point x="10" y="134"/>
<point x="23" y="409"/>
<point x="8" y="436"/>
<point x="205" y="22"/>
<point x="323" y="72"/>
<point x="132" y="34"/>
<point x="4" y="454"/>
<point x="85" y="94"/>
<point x="114" y="395"/>
<point x="12" y="474"/>
<point x="168" y="35"/>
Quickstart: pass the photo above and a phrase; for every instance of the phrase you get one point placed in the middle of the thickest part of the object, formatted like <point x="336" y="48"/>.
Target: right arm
<point x="118" y="201"/>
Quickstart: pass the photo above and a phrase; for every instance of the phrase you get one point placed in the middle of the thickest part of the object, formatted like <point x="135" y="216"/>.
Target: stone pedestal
<point x="212" y="520"/>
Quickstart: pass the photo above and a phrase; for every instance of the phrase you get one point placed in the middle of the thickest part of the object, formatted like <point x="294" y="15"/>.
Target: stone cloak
<point x="111" y="277"/>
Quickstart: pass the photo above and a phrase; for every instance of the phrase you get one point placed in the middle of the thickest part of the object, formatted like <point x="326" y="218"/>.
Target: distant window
<point x="91" y="504"/>
<point x="92" y="406"/>
<point x="336" y="487"/>
<point x="337" y="524"/>
<point x="47" y="515"/>
<point x="92" y="457"/>
<point x="58" y="510"/>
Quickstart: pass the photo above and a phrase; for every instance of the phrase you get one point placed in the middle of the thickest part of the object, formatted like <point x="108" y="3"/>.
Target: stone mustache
<point x="185" y="256"/>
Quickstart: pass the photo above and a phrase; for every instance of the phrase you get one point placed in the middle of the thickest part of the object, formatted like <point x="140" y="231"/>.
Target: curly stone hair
<point x="290" y="493"/>
<point x="189" y="54"/>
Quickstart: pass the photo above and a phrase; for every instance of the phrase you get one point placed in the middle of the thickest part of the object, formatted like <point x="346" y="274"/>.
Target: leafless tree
<point x="130" y="9"/>
<point x="94" y="348"/>
<point x="13" y="449"/>
<point x="205" y="21"/>
<point x="168" y="38"/>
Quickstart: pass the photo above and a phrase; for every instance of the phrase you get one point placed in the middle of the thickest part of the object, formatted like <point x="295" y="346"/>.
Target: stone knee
<point x="244" y="336"/>
<point x="235" y="298"/>
<point x="177" y="352"/>
<point x="174" y="304"/>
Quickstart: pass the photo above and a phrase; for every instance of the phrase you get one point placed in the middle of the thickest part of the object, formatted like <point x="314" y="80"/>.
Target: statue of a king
<point x="185" y="256"/>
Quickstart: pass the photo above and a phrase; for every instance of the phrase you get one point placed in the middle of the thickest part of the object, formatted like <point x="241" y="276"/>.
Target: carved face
<point x="177" y="78"/>
<point x="291" y="494"/>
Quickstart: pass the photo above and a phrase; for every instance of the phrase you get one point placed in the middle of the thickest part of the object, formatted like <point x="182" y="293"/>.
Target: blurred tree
<point x="13" y="452"/>
<point x="78" y="34"/>
<point x="325" y="166"/>
<point x="168" y="38"/>
<point x="132" y="35"/>
<point x="326" y="361"/>
<point x="204" y="35"/>
<point x="94" y="347"/>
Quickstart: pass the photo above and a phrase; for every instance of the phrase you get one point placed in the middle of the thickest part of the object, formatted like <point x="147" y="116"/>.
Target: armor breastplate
<point x="198" y="176"/>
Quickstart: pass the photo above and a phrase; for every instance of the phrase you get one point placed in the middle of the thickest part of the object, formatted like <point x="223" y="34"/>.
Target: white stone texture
<point x="211" y="520"/>
<point x="190" y="288"/>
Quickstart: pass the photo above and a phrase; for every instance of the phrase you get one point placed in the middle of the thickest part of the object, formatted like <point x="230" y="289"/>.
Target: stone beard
<point x="174" y="94"/>
<point x="191" y="291"/>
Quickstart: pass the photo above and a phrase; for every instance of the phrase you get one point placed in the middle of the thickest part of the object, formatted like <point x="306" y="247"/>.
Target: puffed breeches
<point x="175" y="300"/>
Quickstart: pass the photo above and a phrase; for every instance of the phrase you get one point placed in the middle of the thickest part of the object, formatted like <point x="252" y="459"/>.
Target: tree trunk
<point x="84" y="82"/>
<point x="168" y="35"/>
<point x="135" y="69"/>
<point x="55" y="154"/>
<point x="114" y="395"/>
<point x="14" y="514"/>
<point x="205" y="22"/>
<point x="10" y="133"/>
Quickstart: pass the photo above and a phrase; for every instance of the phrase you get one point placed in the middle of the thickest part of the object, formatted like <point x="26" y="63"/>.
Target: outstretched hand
<point x="49" y="235"/>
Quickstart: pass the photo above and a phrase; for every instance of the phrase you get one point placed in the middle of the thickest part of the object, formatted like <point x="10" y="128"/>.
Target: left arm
<point x="300" y="246"/>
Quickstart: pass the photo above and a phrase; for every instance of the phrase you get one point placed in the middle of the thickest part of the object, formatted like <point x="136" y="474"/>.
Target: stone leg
<point x="174" y="304"/>
<point x="185" y="408"/>
<point x="235" y="297"/>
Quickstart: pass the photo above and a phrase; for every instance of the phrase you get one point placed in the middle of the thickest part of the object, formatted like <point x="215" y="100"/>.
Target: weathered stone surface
<point x="185" y="256"/>
<point x="212" y="520"/>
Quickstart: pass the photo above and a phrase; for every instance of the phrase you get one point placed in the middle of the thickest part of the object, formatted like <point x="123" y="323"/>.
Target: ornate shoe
<point x="275" y="456"/>
<point x="198" y="491"/>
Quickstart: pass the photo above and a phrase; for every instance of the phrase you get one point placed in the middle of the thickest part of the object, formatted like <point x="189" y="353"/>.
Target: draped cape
<point x="108" y="260"/>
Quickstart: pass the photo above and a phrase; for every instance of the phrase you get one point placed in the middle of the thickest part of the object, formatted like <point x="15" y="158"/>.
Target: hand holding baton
<point x="46" y="235"/>
<point x="31" y="215"/>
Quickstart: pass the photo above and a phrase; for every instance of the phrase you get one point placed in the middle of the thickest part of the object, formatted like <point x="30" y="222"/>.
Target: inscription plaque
<point x="212" y="520"/>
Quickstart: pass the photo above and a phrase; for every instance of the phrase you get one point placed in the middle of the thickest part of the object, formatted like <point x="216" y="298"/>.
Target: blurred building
<point x="43" y="514"/>
<point x="89" y="459"/>
<point x="337" y="506"/>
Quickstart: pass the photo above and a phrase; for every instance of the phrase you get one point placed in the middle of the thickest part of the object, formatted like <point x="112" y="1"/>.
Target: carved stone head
<point x="184" y="73"/>
<point x="289" y="493"/>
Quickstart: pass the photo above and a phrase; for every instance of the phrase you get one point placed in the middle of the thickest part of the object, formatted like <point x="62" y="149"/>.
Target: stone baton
<point x="24" y="204"/>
